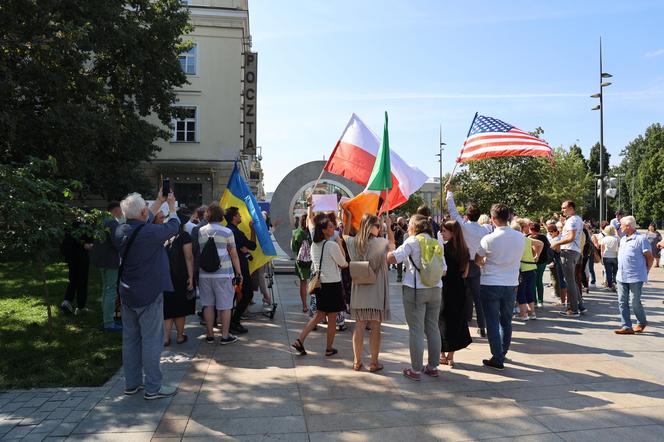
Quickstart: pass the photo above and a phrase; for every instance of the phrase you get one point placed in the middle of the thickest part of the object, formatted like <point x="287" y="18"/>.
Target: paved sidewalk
<point x="567" y="380"/>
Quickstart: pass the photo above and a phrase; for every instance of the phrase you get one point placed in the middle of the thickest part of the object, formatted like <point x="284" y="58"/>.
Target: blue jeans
<point x="630" y="292"/>
<point x="611" y="270"/>
<point x="142" y="342"/>
<point x="498" y="306"/>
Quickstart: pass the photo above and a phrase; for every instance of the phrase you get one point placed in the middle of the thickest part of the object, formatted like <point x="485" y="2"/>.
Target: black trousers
<point x="247" y="296"/>
<point x="472" y="284"/>
<point x="78" y="281"/>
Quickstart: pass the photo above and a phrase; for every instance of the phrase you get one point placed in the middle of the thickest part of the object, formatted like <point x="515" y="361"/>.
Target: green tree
<point x="593" y="160"/>
<point x="410" y="206"/>
<point x="649" y="185"/>
<point x="531" y="186"/>
<point x="78" y="81"/>
<point x="35" y="214"/>
<point x="576" y="149"/>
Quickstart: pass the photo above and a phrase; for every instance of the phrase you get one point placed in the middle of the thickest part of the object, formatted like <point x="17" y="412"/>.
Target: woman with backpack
<point x="301" y="247"/>
<point x="327" y="258"/>
<point x="452" y="322"/>
<point x="182" y="300"/>
<point x="422" y="284"/>
<point x="370" y="301"/>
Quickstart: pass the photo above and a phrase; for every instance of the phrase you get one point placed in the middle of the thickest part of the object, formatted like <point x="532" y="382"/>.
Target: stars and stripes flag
<point x="489" y="137"/>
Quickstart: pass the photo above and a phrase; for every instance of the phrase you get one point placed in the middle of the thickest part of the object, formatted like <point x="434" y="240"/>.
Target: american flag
<point x="489" y="137"/>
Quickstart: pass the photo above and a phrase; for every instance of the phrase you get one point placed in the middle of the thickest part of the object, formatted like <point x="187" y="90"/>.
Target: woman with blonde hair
<point x="370" y="303"/>
<point x="526" y="292"/>
<point x="609" y="246"/>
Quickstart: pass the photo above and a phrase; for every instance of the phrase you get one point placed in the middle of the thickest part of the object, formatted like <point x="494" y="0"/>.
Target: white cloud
<point x="654" y="54"/>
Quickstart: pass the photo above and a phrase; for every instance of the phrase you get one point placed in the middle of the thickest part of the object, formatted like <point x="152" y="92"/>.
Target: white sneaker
<point x="81" y="311"/>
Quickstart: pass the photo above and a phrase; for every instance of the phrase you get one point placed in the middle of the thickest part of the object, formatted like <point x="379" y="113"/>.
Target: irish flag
<point x="354" y="157"/>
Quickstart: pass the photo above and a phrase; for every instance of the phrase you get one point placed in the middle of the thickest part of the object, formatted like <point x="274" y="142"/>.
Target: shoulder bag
<point x="124" y="256"/>
<point x="314" y="281"/>
<point x="361" y="272"/>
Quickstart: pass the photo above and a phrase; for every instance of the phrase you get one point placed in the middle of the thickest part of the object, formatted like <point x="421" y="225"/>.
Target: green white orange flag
<point x="381" y="175"/>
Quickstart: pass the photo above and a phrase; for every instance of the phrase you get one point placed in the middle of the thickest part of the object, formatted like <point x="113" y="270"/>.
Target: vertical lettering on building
<point x="249" y="105"/>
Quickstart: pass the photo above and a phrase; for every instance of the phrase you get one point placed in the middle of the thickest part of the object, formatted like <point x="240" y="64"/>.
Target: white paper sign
<point x="324" y="203"/>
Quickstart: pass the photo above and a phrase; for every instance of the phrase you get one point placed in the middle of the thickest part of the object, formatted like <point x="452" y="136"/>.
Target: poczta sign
<point x="249" y="134"/>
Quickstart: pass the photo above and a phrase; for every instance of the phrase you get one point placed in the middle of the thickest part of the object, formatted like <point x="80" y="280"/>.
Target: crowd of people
<point x="490" y="265"/>
<point x="154" y="265"/>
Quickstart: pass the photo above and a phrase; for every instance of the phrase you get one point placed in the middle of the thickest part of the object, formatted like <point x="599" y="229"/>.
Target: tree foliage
<point x="647" y="168"/>
<point x="35" y="214"/>
<point x="410" y="206"/>
<point x="593" y="160"/>
<point x="79" y="79"/>
<point x="530" y="186"/>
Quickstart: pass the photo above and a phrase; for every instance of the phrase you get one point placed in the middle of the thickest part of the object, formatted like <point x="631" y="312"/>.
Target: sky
<point x="433" y="64"/>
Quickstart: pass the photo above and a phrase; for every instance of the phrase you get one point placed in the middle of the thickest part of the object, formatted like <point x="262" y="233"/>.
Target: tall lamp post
<point x="440" y="163"/>
<point x="600" y="107"/>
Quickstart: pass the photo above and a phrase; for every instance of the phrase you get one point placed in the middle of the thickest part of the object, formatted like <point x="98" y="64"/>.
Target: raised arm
<point x="451" y="206"/>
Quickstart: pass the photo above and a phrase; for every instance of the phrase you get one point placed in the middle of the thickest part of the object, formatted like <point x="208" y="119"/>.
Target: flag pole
<point x="457" y="161"/>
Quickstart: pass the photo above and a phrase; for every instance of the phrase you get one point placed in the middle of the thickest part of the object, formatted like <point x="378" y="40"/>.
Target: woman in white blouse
<point x="609" y="245"/>
<point x="326" y="257"/>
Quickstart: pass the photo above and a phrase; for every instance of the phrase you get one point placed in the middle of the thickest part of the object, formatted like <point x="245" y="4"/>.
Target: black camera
<point x="248" y="256"/>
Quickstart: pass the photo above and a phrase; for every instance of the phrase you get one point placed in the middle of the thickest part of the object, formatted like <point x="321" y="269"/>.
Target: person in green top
<point x="301" y="247"/>
<point x="525" y="295"/>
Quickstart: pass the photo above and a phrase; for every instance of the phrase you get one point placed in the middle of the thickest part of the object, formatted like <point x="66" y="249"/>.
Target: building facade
<point x="219" y="122"/>
<point x="430" y="193"/>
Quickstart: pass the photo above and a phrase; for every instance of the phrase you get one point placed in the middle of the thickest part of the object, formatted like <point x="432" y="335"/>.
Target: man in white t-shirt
<point x="570" y="253"/>
<point x="499" y="255"/>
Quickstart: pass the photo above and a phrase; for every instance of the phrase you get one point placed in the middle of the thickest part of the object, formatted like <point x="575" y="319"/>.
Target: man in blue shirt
<point x="244" y="247"/>
<point x="145" y="275"/>
<point x="634" y="262"/>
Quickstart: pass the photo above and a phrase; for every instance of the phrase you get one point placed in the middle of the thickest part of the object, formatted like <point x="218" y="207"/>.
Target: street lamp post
<point x="440" y="163"/>
<point x="600" y="107"/>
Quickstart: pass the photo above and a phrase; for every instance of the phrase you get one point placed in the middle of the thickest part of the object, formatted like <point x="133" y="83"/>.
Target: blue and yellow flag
<point x="237" y="194"/>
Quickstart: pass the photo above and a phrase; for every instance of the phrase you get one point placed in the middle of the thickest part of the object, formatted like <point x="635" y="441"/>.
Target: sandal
<point x="184" y="339"/>
<point x="305" y="309"/>
<point x="450" y="363"/>
<point x="443" y="360"/>
<point x="299" y="346"/>
<point x="167" y="343"/>
<point x="342" y="327"/>
<point x="373" y="368"/>
<point x="331" y="351"/>
<point x="358" y="366"/>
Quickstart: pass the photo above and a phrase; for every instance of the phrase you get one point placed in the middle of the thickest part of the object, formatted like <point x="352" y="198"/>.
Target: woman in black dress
<point x="182" y="301"/>
<point x="452" y="322"/>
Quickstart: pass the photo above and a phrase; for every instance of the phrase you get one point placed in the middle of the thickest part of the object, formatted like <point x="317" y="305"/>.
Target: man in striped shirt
<point x="216" y="288"/>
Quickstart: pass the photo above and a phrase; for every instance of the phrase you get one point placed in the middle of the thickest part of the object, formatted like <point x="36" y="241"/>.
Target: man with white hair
<point x="144" y="275"/>
<point x="634" y="262"/>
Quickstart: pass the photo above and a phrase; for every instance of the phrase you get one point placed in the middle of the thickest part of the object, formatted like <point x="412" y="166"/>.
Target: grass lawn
<point x="78" y="352"/>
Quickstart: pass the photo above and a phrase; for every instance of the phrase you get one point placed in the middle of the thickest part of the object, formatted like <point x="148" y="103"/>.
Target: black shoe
<point x="238" y="328"/>
<point x="483" y="333"/>
<point x="582" y="309"/>
<point x="493" y="364"/>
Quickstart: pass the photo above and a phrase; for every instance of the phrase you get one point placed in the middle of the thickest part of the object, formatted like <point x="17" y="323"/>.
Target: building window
<point x="184" y="129"/>
<point x="185" y="2"/>
<point x="188" y="60"/>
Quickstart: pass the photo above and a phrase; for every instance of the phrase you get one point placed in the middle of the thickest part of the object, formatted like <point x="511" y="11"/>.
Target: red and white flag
<point x="489" y="137"/>
<point x="354" y="157"/>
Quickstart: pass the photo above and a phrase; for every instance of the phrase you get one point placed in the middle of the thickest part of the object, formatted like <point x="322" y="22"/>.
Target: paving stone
<point x="50" y="406"/>
<point x="11" y="407"/>
<point x="60" y="413"/>
<point x="171" y="428"/>
<point x="46" y="426"/>
<point x="7" y="425"/>
<point x="18" y="432"/>
<point x="23" y="412"/>
<point x="72" y="401"/>
<point x="35" y="418"/>
<point x="64" y="429"/>
<point x="76" y="416"/>
<point x="36" y="402"/>
<point x="245" y="426"/>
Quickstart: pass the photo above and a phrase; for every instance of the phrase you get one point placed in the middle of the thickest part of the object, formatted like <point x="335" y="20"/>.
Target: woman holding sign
<point x="326" y="258"/>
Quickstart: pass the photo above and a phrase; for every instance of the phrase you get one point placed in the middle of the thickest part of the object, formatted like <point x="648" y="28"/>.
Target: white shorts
<point x="216" y="292"/>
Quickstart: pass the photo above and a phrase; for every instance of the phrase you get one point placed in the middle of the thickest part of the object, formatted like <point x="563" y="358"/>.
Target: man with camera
<point x="143" y="277"/>
<point x="244" y="247"/>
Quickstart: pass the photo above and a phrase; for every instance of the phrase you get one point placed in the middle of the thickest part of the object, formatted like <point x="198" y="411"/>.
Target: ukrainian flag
<point x="237" y="194"/>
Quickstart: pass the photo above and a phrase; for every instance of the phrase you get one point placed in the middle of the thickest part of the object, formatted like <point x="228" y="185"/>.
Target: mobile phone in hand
<point x="165" y="187"/>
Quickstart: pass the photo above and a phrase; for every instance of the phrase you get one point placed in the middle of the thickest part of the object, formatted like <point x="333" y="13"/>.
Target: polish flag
<point x="354" y="157"/>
